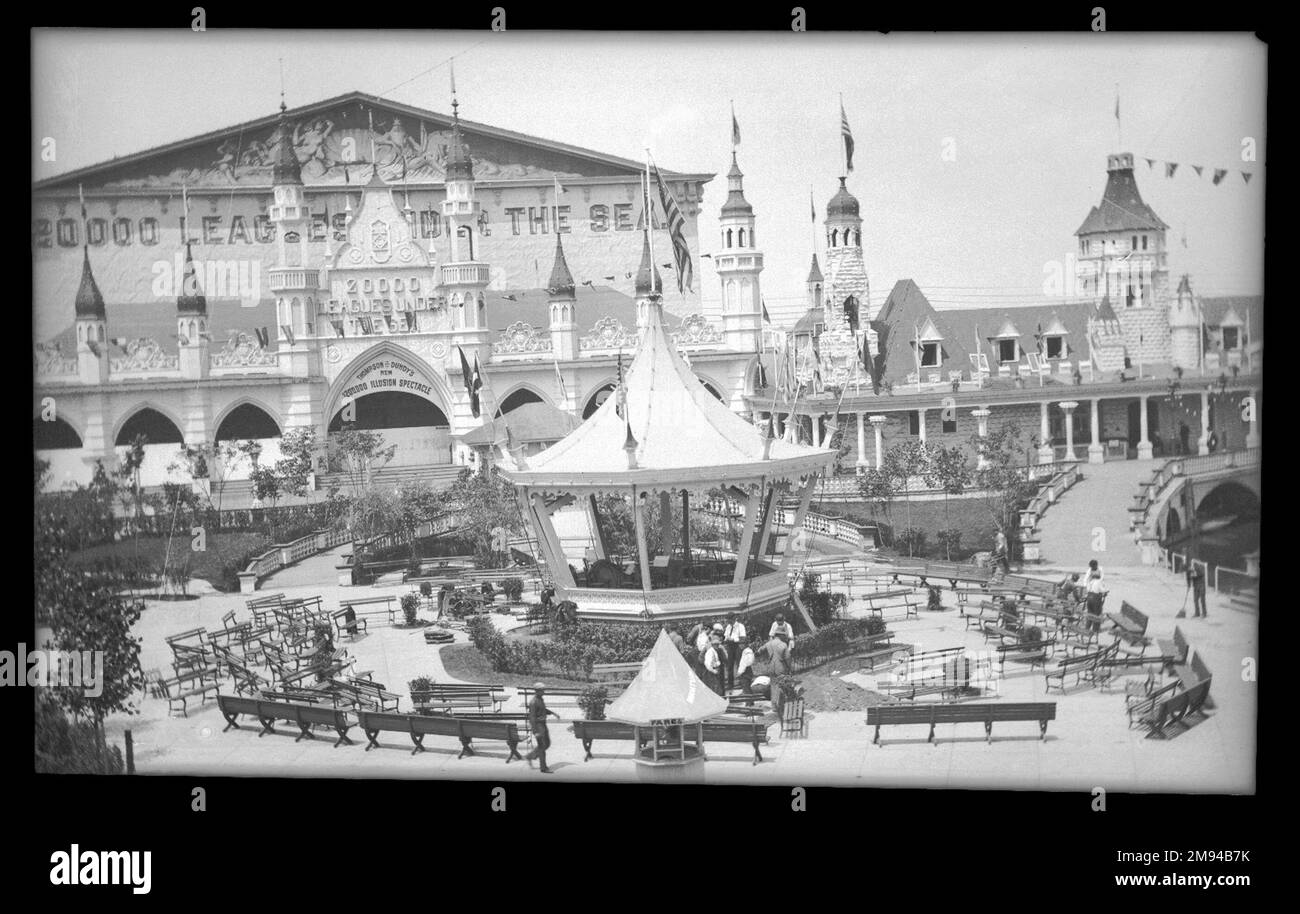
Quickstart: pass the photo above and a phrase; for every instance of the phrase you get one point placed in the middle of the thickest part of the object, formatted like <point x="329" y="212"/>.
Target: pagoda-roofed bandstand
<point x="663" y="505"/>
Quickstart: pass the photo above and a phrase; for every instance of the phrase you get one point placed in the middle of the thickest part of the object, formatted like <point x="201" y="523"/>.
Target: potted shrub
<point x="1031" y="634"/>
<point x="934" y="602"/>
<point x="426" y="589"/>
<point x="592" y="702"/>
<point x="418" y="685"/>
<point x="410" y="606"/>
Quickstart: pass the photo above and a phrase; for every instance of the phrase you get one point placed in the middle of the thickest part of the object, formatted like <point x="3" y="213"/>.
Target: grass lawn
<point x="969" y="515"/>
<point x="221" y="548"/>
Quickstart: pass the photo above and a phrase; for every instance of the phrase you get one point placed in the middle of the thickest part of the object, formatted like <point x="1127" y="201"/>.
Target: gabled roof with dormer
<point x="409" y="144"/>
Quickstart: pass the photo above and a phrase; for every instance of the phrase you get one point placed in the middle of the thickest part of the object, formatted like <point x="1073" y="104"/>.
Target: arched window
<point x="153" y="425"/>
<point x="835" y="237"/>
<point x="247" y="421"/>
<point x="517" y="399"/>
<point x="740" y="238"/>
<point x="728" y="237"/>
<point x="55" y="435"/>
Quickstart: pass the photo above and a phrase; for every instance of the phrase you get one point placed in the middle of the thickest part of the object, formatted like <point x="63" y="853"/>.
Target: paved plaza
<point x="1088" y="744"/>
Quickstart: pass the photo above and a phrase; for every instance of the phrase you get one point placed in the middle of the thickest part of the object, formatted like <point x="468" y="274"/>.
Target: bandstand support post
<point x="643" y="555"/>
<point x="560" y="565"/>
<point x="747" y="540"/>
<point x="805" y="497"/>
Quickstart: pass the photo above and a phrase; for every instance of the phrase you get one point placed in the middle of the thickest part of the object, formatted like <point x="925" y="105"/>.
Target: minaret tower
<point x="816" y="285"/>
<point x="191" y="315"/>
<point x="294" y="282"/>
<point x="739" y="263"/>
<point x="1185" y="328"/>
<point x="848" y="293"/>
<point x="92" y="327"/>
<point x="464" y="277"/>
<point x="563" y="308"/>
<point x="1122" y="256"/>
<point x="649" y="285"/>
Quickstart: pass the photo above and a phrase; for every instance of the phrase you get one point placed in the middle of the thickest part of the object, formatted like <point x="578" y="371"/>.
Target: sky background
<point x="1031" y="119"/>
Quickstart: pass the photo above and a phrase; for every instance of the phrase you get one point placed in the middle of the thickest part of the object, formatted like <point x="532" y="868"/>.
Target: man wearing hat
<point x="781" y="627"/>
<point x="735" y="637"/>
<point x="537" y="712"/>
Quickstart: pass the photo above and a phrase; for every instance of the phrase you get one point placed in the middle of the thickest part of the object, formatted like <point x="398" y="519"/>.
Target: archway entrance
<point x="517" y="399"/>
<point x="598" y="397"/>
<point x="416" y="427"/>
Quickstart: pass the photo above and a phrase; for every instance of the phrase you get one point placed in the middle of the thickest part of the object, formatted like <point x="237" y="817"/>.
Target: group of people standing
<point x="723" y="654"/>
<point x="1091" y="592"/>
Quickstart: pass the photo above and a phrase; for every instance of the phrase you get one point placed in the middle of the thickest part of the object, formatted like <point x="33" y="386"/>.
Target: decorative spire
<point x="644" y="284"/>
<point x="843" y="203"/>
<point x="191" y="300"/>
<point x="286" y="169"/>
<point x="561" y="284"/>
<point x="814" y="272"/>
<point x="736" y="204"/>
<point x="459" y="166"/>
<point x="89" y="303"/>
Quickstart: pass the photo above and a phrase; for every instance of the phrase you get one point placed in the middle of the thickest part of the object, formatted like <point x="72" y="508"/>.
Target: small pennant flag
<point x="409" y="317"/>
<point x="288" y="332"/>
<point x="559" y="378"/>
<point x="1198" y="169"/>
<point x="811" y="205"/>
<point x="184" y="340"/>
<point x="338" y="328"/>
<point x="1245" y="176"/>
<point x="848" y="137"/>
<point x="762" y="376"/>
<point x="767" y="318"/>
<point x="367" y="325"/>
<point x="94" y="348"/>
<point x="588" y="282"/>
<point x="119" y="342"/>
<point x="609" y="278"/>
<point x="1218" y="175"/>
<point x="263" y="337"/>
<point x="735" y="127"/>
<point x="388" y="319"/>
<point x="1151" y="163"/>
<point x="1170" y="168"/>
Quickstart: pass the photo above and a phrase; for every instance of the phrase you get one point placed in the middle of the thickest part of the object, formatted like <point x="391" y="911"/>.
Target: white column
<point x="643" y="554"/>
<point x="1045" y="453"/>
<point x="877" y="422"/>
<point x="920" y="423"/>
<point x="1144" y="443"/>
<point x="1096" y="453"/>
<point x="816" y="430"/>
<point x="862" y="442"/>
<point x="747" y="540"/>
<point x="805" y="497"/>
<point x="1252" y="436"/>
<point x="1203" y="442"/>
<point x="982" y="417"/>
<point x="1068" y="407"/>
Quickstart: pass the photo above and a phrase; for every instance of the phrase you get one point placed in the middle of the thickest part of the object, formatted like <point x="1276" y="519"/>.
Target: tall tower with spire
<point x="816" y="284"/>
<point x="92" y="327"/>
<point x="191" y="318"/>
<point x="848" y="293"/>
<point x="739" y="263"/>
<point x="294" y="282"/>
<point x="464" y="277"/>
<point x="563" y="307"/>
<point x="1122" y="257"/>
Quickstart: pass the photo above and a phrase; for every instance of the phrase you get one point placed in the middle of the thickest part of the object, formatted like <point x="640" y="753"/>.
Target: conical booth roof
<point x="666" y="689"/>
<point x="681" y="433"/>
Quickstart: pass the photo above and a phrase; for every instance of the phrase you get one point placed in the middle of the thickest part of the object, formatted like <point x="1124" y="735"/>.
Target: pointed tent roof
<point x="684" y="434"/>
<point x="89" y="302"/>
<point x="666" y="689"/>
<point x="187" y="303"/>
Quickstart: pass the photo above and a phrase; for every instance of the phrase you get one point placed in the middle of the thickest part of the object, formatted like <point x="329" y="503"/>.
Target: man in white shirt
<point x="745" y="667"/>
<point x="702" y="640"/>
<point x="781" y="627"/>
<point x="1095" y="598"/>
<point x="735" y="636"/>
<point x="713" y="666"/>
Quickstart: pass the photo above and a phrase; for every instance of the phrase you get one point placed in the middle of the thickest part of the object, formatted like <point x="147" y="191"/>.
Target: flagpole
<point x="846" y="148"/>
<point x="1119" y="125"/>
<point x="649" y="225"/>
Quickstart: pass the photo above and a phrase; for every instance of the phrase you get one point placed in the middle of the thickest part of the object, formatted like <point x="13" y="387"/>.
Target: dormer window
<point x="1231" y="338"/>
<point x="1055" y="347"/>
<point x="1008" y="351"/>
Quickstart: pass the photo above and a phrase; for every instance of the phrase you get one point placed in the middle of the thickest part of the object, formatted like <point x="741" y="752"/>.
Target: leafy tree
<point x="484" y="501"/>
<point x="267" y="484"/>
<point x="950" y="470"/>
<point x="417" y="503"/>
<point x="902" y="463"/>
<point x="298" y="447"/>
<point x="65" y="747"/>
<point x="42" y="473"/>
<point x="361" y="454"/>
<point x="1005" y="485"/>
<point x="128" y="470"/>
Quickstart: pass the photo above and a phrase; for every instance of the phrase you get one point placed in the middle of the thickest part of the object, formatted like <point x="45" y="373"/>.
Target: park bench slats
<point x="380" y="606"/>
<point x="1081" y="666"/>
<point x="268" y="712"/>
<point x="1035" y="653"/>
<point x="753" y="732"/>
<point x="616" y="671"/>
<point x="874" y="647"/>
<point x="418" y="726"/>
<point x="985" y="713"/>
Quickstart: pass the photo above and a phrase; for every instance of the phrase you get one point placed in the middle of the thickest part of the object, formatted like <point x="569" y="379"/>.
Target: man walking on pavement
<point x="537" y="712"/>
<point x="1196" y="580"/>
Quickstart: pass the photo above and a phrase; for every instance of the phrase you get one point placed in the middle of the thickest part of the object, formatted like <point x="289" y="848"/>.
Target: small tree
<point x="298" y="448"/>
<point x="361" y="454"/>
<point x="1005" y="485"/>
<point x="128" y="470"/>
<point x="266" y="488"/>
<point x="950" y="470"/>
<point x="904" y="462"/>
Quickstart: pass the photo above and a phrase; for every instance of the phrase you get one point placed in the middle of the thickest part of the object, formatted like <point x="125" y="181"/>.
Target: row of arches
<point x="243" y="422"/>
<point x="845" y="239"/>
<point x="738" y="236"/>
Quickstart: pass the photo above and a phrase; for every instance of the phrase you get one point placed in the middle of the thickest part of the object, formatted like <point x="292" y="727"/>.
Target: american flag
<point x="848" y="137"/>
<point x="676" y="222"/>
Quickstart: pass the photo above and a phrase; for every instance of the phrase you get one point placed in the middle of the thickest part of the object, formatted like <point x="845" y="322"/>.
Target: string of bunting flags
<point x="1217" y="174"/>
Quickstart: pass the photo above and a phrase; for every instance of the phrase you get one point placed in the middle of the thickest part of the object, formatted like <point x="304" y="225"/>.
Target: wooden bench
<point x="1129" y="624"/>
<point x="881" y="600"/>
<point x="942" y="671"/>
<point x="342" y="626"/>
<point x="874" y="647"/>
<point x="1033" y="652"/>
<point x="263" y="607"/>
<point x="305" y="716"/>
<point x="985" y="713"/>
<point x="384" y="606"/>
<point x="753" y="732"/>
<point x="459" y="695"/>
<point x="1140" y="706"/>
<point x="373" y="695"/>
<point x="566" y="697"/>
<point x="1081" y="667"/>
<point x="179" y="689"/>
<point x="418" y="726"/>
<point x="1174" y="707"/>
<point x="1173" y="651"/>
